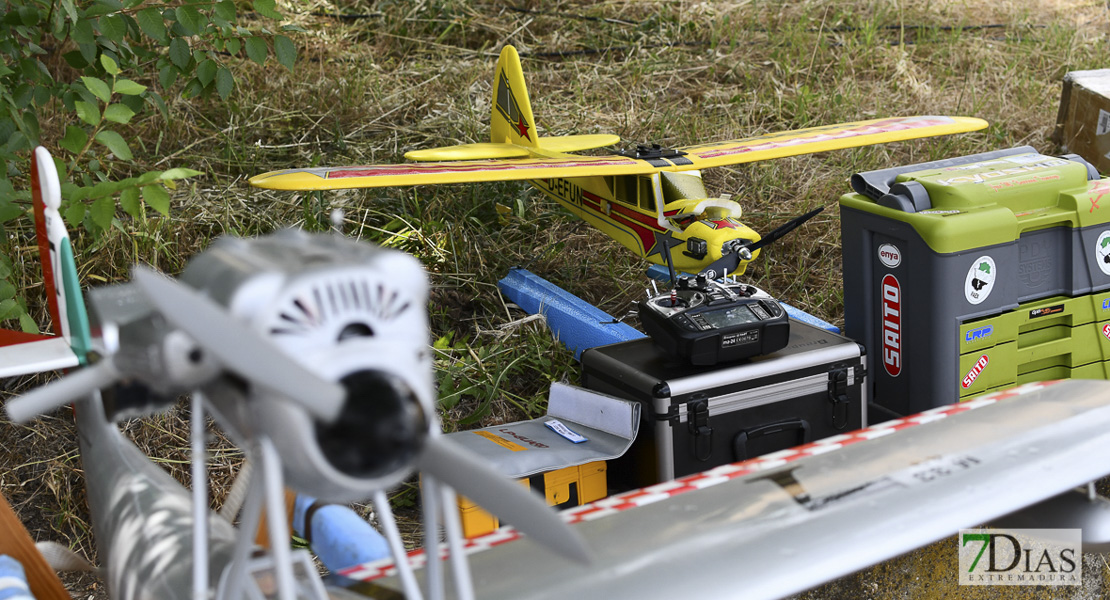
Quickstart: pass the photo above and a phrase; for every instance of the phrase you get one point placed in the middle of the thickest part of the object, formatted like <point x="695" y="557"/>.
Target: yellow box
<point x="564" y="488"/>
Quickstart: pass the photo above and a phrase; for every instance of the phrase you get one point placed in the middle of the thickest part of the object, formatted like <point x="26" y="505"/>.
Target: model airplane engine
<point x="351" y="313"/>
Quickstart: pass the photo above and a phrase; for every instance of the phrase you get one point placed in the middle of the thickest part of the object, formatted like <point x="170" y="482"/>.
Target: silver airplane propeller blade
<point x="524" y="510"/>
<point x="239" y="348"/>
<point x="69" y="388"/>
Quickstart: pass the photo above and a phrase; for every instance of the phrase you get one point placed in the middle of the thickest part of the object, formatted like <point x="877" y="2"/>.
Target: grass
<point x="417" y="75"/>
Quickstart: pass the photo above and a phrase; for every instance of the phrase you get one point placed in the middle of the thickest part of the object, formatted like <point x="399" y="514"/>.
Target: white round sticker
<point x="980" y="280"/>
<point x="1102" y="252"/>
<point x="890" y="255"/>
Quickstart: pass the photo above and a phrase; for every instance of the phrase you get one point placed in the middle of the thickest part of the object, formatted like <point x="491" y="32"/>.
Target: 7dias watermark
<point x="1021" y="557"/>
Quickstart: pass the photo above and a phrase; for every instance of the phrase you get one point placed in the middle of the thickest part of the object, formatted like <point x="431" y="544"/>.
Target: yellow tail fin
<point x="511" y="121"/>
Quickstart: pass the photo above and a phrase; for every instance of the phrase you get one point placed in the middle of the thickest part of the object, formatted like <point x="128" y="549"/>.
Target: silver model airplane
<point x="311" y="350"/>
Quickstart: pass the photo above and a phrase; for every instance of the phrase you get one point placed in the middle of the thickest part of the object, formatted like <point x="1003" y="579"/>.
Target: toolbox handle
<point x="740" y="442"/>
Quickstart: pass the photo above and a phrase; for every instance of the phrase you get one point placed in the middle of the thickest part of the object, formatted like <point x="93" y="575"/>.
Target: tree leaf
<point x="285" y="51"/>
<point x="75" y="139"/>
<point x="266" y="8"/>
<point x="157" y="198"/>
<point x="225" y="10"/>
<point x="27" y="324"/>
<point x="191" y="19"/>
<point x="180" y="53"/>
<point x="256" y="49"/>
<point x="87" y="112"/>
<point x="83" y="33"/>
<point x="225" y="83"/>
<point x="233" y="46"/>
<point x="102" y="211"/>
<point x="192" y="89"/>
<point x="178" y="173"/>
<point x="97" y="87"/>
<point x="113" y="27"/>
<point x="129" y="202"/>
<point x="110" y="66"/>
<point x="156" y="99"/>
<point x="206" y="71"/>
<point x="128" y="87"/>
<point x="115" y="144"/>
<point x="118" y="113"/>
<point x="8" y="307"/>
<point x="74" y="214"/>
<point x="167" y="76"/>
<point x="151" y="22"/>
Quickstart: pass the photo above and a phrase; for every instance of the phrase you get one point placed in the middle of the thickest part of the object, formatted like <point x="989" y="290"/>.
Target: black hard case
<point x="811" y="389"/>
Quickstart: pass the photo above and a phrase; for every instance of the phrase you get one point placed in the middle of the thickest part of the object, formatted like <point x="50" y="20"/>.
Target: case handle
<point x="740" y="442"/>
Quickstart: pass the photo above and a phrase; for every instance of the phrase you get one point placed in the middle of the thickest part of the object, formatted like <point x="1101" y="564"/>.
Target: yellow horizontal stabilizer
<point x="480" y="151"/>
<point x="577" y="143"/>
<point x="822" y="139"/>
<point x="338" y="178"/>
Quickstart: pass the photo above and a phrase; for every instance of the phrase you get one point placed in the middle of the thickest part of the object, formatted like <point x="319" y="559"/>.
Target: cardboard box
<point x="1083" y="123"/>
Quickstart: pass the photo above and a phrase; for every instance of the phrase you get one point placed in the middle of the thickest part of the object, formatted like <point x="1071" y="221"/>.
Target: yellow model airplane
<point x="648" y="199"/>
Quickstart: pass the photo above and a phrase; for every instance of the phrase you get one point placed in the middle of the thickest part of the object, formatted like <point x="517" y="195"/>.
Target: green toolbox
<point x="970" y="274"/>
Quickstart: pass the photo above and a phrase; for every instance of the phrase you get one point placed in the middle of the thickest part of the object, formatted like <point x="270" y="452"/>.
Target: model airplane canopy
<point x="637" y="197"/>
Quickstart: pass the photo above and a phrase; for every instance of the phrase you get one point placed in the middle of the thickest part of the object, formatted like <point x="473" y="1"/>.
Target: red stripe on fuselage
<point x="642" y="225"/>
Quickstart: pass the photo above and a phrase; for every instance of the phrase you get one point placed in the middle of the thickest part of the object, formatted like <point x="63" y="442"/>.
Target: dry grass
<point x="414" y="75"/>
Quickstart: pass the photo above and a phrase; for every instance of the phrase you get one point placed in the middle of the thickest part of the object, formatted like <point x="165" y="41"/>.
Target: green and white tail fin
<point x="59" y="270"/>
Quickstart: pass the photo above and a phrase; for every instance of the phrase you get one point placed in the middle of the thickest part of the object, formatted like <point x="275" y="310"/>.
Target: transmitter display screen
<point x="728" y="317"/>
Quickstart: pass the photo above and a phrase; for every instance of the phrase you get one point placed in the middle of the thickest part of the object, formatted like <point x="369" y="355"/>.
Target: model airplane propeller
<point x="632" y="196"/>
<point x="311" y="351"/>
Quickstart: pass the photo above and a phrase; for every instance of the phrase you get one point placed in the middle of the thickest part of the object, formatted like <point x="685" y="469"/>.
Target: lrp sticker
<point x="890" y="255"/>
<point x="1106" y="330"/>
<point x="973" y="374"/>
<point x="1102" y="252"/>
<point x="980" y="280"/>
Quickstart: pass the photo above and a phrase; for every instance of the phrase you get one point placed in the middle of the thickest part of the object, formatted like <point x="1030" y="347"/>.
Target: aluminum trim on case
<point x="768" y="394"/>
<point x="763" y="368"/>
<point x="664" y="450"/>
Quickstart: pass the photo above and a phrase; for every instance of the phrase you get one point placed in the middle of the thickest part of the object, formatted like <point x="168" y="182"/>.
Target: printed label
<point x="1102" y="252"/>
<point x="979" y="333"/>
<point x="890" y="255"/>
<point x="976" y="369"/>
<point x="892" y="325"/>
<point x="500" y="441"/>
<point x="1103" y="122"/>
<point x="980" y="280"/>
<point x="558" y="427"/>
<point x="1106" y="330"/>
<point x="1021" y="557"/>
<point x="1045" y="311"/>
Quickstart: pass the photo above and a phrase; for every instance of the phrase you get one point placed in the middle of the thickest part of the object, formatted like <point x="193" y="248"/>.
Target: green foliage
<point x="127" y="55"/>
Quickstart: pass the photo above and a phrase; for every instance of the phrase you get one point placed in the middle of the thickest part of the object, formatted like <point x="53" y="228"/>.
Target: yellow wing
<point x="765" y="147"/>
<point x="821" y="139"/>
<point x="336" y="178"/>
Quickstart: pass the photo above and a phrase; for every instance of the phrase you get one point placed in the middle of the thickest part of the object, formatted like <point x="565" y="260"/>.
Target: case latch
<point x="697" y="420"/>
<point x="838" y="397"/>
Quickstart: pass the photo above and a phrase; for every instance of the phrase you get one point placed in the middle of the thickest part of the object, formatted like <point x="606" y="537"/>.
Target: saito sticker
<point x="1102" y="252"/>
<point x="980" y="280"/>
<point x="891" y="318"/>
<point x="976" y="369"/>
